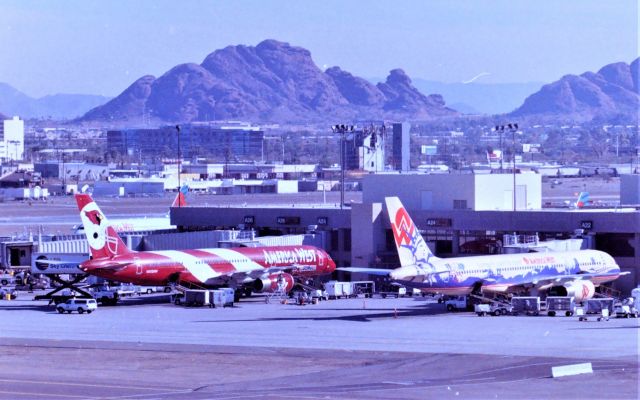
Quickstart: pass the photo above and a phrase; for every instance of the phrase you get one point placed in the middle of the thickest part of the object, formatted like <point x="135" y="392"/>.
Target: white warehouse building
<point x="12" y="139"/>
<point x="478" y="192"/>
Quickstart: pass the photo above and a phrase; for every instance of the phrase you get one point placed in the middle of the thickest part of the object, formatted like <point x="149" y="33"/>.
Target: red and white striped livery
<point x="262" y="268"/>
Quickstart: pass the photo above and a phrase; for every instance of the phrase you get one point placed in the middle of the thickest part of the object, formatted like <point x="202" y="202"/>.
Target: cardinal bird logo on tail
<point x="103" y="240"/>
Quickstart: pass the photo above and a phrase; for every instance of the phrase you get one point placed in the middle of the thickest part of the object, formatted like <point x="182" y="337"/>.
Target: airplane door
<point x="136" y="261"/>
<point x="320" y="260"/>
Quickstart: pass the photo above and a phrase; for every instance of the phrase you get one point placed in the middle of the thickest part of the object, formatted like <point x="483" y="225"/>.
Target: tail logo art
<point x="403" y="228"/>
<point x="407" y="236"/>
<point x="96" y="229"/>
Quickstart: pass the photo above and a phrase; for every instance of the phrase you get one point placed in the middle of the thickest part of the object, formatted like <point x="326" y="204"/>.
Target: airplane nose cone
<point x="331" y="265"/>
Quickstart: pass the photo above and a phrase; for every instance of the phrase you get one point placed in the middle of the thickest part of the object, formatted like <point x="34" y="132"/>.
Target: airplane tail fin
<point x="583" y="199"/>
<point x="103" y="240"/>
<point x="180" y="200"/>
<point x="412" y="249"/>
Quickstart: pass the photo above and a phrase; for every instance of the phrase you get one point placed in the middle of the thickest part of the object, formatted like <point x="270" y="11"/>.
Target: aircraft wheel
<point x="568" y="313"/>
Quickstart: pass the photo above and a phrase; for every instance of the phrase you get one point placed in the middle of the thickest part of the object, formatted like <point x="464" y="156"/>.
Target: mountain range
<point x="277" y="82"/>
<point x="58" y="106"/>
<point x="271" y="82"/>
<point x="612" y="93"/>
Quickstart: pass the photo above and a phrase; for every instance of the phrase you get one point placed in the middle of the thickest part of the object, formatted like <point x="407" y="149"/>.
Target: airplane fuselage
<point x="499" y="273"/>
<point x="207" y="267"/>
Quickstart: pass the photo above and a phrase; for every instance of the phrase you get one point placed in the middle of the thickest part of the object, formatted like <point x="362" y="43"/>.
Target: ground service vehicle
<point x="394" y="290"/>
<point x="495" y="309"/>
<point x="456" y="303"/>
<point x="6" y="279"/>
<point x="106" y="295"/>
<point x="79" y="305"/>
<point x="8" y="294"/>
<point x="366" y="288"/>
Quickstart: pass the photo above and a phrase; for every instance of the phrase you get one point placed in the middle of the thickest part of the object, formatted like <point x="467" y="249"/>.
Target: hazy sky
<point x="101" y="47"/>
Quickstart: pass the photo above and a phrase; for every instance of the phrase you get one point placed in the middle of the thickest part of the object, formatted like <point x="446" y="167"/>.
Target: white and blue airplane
<point x="571" y="273"/>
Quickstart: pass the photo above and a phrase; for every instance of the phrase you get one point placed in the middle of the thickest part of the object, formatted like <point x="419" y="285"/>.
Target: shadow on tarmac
<point x="385" y="314"/>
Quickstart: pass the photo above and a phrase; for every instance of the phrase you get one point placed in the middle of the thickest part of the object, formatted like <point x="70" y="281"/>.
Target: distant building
<point x="12" y="140"/>
<point x="401" y="147"/>
<point x="226" y="142"/>
<point x="364" y="149"/>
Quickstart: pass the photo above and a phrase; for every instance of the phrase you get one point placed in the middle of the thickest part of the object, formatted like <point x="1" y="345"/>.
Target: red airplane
<point x="261" y="269"/>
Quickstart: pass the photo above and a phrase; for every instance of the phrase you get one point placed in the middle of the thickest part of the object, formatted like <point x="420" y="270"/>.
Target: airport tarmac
<point x="343" y="349"/>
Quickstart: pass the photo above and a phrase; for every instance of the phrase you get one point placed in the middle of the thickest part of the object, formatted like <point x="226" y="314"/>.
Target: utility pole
<point x="179" y="165"/>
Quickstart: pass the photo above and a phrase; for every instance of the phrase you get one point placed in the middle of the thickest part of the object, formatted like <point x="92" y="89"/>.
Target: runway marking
<point x="91" y="385"/>
<point x="133" y="396"/>
<point x="66" y="396"/>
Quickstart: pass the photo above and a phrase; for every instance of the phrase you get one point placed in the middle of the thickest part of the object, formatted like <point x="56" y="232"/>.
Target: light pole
<point x="179" y="164"/>
<point x="513" y="128"/>
<point x="500" y="128"/>
<point x="342" y="129"/>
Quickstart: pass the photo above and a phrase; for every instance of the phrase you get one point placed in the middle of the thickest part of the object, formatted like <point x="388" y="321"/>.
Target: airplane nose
<point x="331" y="265"/>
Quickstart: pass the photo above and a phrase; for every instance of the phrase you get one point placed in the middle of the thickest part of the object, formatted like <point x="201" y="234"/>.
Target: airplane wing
<point x="54" y="262"/>
<point x="559" y="279"/>
<point x="548" y="280"/>
<point x="364" y="270"/>
<point x="112" y="265"/>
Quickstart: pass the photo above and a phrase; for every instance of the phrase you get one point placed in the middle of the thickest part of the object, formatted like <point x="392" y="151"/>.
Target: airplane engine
<point x="580" y="290"/>
<point x="270" y="283"/>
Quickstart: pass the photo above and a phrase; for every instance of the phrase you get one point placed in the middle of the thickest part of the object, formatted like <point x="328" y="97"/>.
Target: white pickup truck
<point x="457" y="303"/>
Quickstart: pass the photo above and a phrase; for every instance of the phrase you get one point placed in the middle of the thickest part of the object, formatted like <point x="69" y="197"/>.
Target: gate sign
<point x="586" y="225"/>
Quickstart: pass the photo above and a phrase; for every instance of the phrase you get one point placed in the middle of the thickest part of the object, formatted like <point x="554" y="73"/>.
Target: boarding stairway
<point x="501" y="299"/>
<point x="607" y="292"/>
<point x="280" y="294"/>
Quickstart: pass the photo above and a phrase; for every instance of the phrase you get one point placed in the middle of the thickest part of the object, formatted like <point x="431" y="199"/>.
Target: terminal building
<point x="237" y="140"/>
<point x="458" y="214"/>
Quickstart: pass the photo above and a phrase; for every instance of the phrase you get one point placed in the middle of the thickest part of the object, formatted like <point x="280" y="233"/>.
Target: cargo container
<point x="560" y="305"/>
<point x="525" y="305"/>
<point x="337" y="289"/>
<point x="196" y="298"/>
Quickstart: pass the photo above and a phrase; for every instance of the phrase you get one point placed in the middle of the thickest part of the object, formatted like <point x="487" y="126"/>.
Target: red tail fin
<point x="180" y="200"/>
<point x="103" y="240"/>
